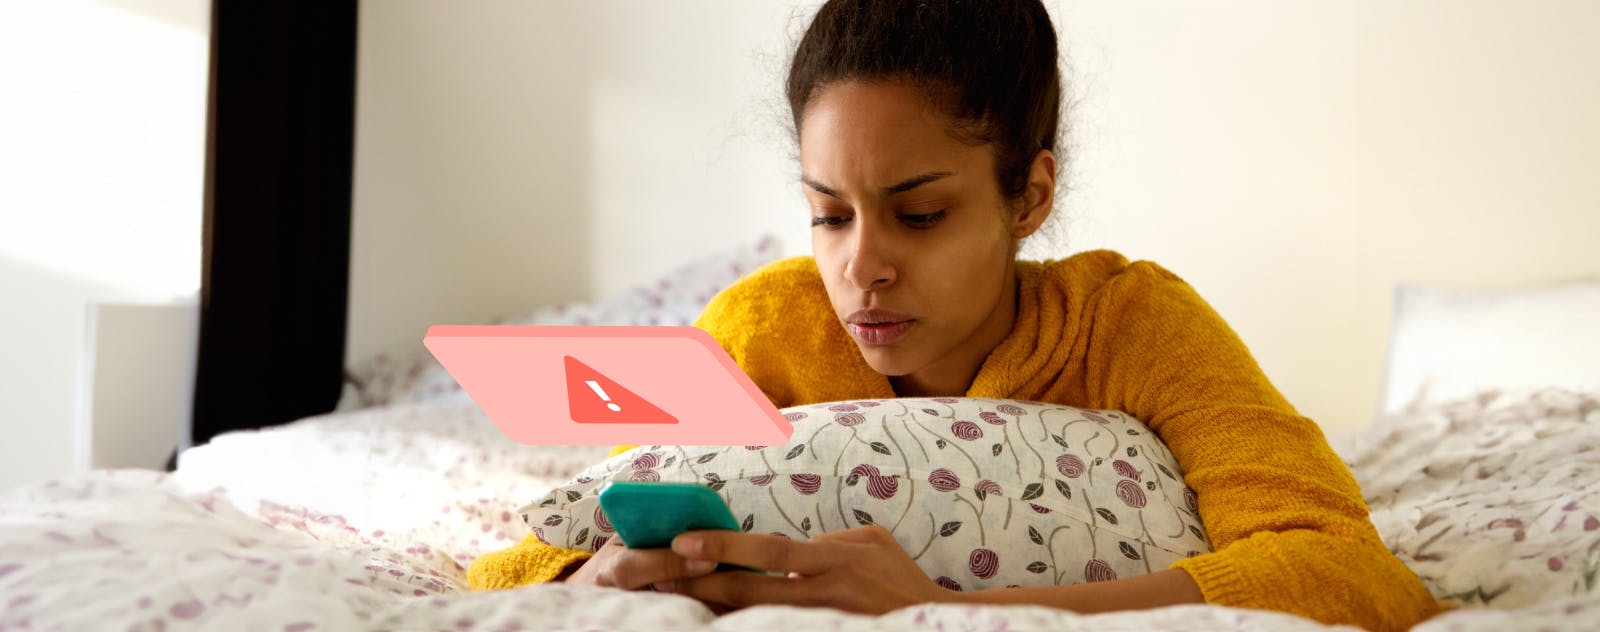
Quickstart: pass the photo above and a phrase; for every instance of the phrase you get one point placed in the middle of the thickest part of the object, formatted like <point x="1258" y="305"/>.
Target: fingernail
<point x="700" y="567"/>
<point x="666" y="587"/>
<point x="689" y="547"/>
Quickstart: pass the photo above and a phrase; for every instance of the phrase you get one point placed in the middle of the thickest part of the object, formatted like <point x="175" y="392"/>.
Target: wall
<point x="1293" y="161"/>
<point x="102" y="129"/>
<point x="512" y="153"/>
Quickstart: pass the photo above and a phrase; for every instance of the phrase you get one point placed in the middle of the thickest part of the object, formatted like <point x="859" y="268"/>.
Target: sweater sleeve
<point x="1288" y="527"/>
<point x="527" y="562"/>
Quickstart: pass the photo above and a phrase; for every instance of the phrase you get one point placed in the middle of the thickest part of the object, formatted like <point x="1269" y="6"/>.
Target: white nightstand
<point x="136" y="384"/>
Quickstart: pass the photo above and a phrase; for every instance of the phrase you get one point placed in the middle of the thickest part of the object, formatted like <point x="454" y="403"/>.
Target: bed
<point x="366" y="518"/>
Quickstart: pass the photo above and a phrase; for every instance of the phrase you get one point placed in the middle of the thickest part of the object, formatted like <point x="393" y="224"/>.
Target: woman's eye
<point x="922" y="221"/>
<point x="830" y="221"/>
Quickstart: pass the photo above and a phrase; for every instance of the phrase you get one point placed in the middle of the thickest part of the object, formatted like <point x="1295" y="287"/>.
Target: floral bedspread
<point x="367" y="519"/>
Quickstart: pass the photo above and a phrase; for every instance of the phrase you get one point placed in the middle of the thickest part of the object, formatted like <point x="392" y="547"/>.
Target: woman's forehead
<point x="857" y="134"/>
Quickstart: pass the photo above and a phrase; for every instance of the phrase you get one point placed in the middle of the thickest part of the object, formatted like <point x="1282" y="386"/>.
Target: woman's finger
<point x="770" y="553"/>
<point x="864" y="533"/>
<point x="739" y="590"/>
<point x="636" y="568"/>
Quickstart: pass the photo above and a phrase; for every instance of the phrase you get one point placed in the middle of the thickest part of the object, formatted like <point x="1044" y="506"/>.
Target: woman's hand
<point x="618" y="566"/>
<point x="858" y="570"/>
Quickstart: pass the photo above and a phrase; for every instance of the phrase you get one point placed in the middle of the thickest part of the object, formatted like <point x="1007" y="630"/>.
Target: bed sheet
<point x="367" y="519"/>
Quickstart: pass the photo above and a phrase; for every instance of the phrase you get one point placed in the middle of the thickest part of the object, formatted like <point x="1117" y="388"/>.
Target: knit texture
<point x="1286" y="519"/>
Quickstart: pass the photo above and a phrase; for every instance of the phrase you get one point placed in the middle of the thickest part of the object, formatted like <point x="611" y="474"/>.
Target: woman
<point x="927" y="134"/>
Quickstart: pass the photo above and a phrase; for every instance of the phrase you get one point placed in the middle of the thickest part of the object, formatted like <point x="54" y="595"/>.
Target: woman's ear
<point x="1038" y="199"/>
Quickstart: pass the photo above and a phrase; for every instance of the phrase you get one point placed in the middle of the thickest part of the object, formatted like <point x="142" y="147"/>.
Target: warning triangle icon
<point x="593" y="398"/>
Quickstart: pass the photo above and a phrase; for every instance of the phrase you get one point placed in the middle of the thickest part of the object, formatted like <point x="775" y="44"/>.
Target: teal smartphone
<point x="649" y="515"/>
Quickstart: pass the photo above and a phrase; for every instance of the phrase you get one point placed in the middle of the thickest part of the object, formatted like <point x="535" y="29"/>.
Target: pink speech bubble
<point x="650" y="385"/>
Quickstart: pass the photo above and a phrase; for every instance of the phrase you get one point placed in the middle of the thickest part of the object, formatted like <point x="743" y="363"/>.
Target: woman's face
<point x="909" y="220"/>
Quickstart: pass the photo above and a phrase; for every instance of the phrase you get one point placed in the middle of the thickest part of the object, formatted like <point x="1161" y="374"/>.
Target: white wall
<point x="471" y="179"/>
<point x="102" y="127"/>
<point x="511" y="153"/>
<point x="1293" y="161"/>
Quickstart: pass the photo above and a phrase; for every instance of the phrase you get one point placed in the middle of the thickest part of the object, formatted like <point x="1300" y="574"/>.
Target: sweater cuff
<point x="527" y="562"/>
<point x="1219" y="579"/>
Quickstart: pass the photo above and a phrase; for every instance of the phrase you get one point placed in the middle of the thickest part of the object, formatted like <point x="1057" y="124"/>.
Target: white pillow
<point x="1451" y="344"/>
<point x="982" y="493"/>
<point x="676" y="298"/>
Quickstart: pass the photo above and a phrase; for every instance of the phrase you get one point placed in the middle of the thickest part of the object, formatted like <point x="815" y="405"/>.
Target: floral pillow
<point x="981" y="493"/>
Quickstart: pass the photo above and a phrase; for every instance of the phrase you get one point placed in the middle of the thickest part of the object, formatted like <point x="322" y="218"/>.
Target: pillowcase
<point x="674" y="299"/>
<point x="982" y="493"/>
<point x="1449" y="345"/>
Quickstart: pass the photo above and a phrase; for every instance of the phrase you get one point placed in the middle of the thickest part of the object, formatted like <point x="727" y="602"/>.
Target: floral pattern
<point x="1492" y="500"/>
<point x="365" y="520"/>
<point x="1058" y="495"/>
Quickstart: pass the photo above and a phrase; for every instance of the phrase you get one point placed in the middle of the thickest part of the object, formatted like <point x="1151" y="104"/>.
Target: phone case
<point x="649" y="514"/>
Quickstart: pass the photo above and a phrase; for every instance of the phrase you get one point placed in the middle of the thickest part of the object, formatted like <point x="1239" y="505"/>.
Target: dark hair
<point x="991" y="64"/>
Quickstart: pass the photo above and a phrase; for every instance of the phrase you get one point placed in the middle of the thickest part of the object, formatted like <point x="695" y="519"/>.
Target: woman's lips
<point x="880" y="333"/>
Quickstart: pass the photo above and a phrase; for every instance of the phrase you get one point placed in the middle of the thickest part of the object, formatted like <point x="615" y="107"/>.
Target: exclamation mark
<point x="609" y="404"/>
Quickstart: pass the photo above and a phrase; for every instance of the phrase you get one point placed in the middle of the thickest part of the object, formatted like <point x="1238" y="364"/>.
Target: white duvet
<point x="367" y="519"/>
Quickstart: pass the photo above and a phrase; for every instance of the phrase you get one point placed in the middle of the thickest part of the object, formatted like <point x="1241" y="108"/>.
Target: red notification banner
<point x="589" y="402"/>
<point x="607" y="385"/>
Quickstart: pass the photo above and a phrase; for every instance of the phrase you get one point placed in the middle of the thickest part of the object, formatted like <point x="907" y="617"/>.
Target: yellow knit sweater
<point x="1285" y="516"/>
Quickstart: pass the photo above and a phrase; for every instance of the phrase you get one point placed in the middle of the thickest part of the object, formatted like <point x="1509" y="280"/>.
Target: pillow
<point x="676" y="298"/>
<point x="1448" y="344"/>
<point x="981" y="493"/>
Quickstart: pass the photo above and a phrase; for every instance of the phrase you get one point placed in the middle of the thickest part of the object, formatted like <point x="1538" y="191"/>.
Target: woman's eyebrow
<point x="915" y="182"/>
<point x="820" y="187"/>
<point x="899" y="187"/>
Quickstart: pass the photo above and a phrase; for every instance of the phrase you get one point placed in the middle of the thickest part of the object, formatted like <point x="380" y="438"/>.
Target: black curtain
<point x="277" y="212"/>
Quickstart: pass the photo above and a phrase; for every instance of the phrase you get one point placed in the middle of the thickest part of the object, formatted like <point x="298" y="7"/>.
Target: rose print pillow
<point x="981" y="493"/>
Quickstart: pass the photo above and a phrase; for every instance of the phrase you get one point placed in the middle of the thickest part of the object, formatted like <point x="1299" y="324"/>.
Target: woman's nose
<point x="870" y="267"/>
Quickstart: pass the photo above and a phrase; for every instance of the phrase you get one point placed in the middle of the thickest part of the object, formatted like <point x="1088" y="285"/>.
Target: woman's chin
<point x="889" y="361"/>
